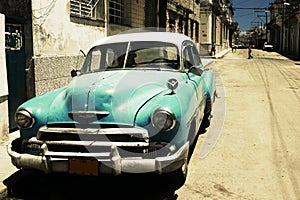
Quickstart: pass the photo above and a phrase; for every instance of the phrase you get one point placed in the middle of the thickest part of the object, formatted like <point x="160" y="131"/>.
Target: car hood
<point x="120" y="93"/>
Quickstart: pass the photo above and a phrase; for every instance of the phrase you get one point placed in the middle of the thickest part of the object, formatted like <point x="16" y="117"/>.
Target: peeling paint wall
<point x="57" y="43"/>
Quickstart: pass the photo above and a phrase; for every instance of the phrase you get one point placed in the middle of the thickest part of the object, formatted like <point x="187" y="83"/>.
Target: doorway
<point x="15" y="63"/>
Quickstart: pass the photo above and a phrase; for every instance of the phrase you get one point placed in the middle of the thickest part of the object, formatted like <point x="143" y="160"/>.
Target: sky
<point x="249" y="18"/>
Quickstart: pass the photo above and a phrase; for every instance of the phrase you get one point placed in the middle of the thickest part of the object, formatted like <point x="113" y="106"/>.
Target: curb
<point x="207" y="61"/>
<point x="222" y="54"/>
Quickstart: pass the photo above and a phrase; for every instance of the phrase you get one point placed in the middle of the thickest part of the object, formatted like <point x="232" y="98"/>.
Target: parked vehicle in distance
<point x="239" y="46"/>
<point x="268" y="47"/>
<point x="135" y="106"/>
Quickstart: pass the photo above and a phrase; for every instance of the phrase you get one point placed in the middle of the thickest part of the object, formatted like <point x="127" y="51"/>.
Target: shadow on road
<point x="31" y="184"/>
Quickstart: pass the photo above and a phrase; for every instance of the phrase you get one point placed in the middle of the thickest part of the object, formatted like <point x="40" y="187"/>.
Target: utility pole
<point x="106" y="18"/>
<point x="283" y="35"/>
<point x="265" y="26"/>
<point x="282" y="29"/>
<point x="266" y="11"/>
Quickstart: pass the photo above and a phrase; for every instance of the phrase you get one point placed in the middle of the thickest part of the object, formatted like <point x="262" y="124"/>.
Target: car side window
<point x="190" y="56"/>
<point x="95" y="60"/>
<point x="187" y="57"/>
<point x="196" y="56"/>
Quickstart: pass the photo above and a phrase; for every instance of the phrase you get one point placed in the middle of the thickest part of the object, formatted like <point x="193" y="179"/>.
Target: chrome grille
<point x="70" y="142"/>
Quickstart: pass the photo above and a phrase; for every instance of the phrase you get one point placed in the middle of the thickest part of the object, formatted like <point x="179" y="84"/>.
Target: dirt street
<point x="254" y="154"/>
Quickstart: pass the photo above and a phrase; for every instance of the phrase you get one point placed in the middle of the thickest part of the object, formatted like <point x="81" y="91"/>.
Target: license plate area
<point x="83" y="167"/>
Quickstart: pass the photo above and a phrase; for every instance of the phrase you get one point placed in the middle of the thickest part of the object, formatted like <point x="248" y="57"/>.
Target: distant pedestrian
<point x="213" y="49"/>
<point x="250" y="51"/>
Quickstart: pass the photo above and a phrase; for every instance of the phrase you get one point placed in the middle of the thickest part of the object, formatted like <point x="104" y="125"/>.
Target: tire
<point x="207" y="114"/>
<point x="177" y="178"/>
<point x="192" y="138"/>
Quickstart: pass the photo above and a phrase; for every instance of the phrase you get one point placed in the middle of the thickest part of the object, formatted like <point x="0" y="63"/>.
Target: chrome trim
<point x="112" y="164"/>
<point x="57" y="132"/>
<point x="89" y="143"/>
<point x="172" y="84"/>
<point x="27" y="113"/>
<point x="87" y="115"/>
<point x="167" y="112"/>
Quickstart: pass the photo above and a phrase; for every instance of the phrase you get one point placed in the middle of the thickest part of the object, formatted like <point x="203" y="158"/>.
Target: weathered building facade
<point x="43" y="38"/>
<point x="216" y="24"/>
<point x="183" y="17"/>
<point x="284" y="27"/>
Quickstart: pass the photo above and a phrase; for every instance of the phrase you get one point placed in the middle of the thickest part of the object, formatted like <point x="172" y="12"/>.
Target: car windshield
<point x="132" y="55"/>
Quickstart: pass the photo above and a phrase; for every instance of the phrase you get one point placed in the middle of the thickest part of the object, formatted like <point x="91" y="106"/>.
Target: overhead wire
<point x="242" y="5"/>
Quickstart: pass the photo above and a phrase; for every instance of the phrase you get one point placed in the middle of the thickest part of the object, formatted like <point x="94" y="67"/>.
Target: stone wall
<point x="53" y="72"/>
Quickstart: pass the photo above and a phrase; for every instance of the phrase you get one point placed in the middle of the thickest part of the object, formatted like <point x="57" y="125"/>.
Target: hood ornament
<point x="172" y="84"/>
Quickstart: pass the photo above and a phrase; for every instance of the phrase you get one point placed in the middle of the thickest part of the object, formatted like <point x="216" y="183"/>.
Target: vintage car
<point x="268" y="47"/>
<point x="135" y="106"/>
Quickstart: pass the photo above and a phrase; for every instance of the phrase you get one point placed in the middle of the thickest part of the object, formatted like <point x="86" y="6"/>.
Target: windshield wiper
<point x="126" y="55"/>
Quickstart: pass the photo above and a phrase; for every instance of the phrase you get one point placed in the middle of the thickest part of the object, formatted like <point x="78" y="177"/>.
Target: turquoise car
<point x="135" y="106"/>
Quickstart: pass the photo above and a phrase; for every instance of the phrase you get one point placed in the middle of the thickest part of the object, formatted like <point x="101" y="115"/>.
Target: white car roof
<point x="170" y="37"/>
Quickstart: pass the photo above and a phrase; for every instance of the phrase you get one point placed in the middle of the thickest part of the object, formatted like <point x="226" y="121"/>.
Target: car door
<point x="193" y="67"/>
<point x="194" y="70"/>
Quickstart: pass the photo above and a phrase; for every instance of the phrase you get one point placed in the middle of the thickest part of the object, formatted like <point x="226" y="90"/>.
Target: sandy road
<point x="251" y="150"/>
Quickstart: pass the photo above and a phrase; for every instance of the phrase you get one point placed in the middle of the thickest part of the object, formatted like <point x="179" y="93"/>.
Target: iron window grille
<point x="89" y="9"/>
<point x="116" y="11"/>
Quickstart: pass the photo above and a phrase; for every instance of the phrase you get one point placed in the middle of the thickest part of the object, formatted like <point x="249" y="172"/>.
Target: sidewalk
<point x="206" y="60"/>
<point x="6" y="167"/>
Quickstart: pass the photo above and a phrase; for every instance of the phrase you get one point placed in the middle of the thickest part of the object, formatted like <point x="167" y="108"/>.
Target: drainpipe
<point x="157" y="15"/>
<point x="106" y="18"/>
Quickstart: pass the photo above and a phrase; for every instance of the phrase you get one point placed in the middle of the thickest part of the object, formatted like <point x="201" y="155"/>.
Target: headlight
<point x="163" y="119"/>
<point x="24" y="118"/>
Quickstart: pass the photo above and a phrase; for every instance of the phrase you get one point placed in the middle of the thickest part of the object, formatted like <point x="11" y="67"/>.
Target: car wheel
<point x="177" y="178"/>
<point x="207" y="114"/>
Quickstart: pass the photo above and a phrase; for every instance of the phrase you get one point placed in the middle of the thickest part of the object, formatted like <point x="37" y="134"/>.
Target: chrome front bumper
<point x="109" y="161"/>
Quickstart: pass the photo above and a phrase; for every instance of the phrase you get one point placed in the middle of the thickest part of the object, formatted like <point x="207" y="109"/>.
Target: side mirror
<point x="74" y="73"/>
<point x="195" y="70"/>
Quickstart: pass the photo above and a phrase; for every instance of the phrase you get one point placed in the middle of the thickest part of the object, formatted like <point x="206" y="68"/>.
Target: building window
<point x="13" y="37"/>
<point x="116" y="11"/>
<point x="88" y="9"/>
<point x="196" y="32"/>
<point x="150" y="13"/>
<point x="172" y="21"/>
